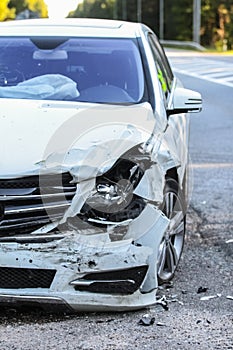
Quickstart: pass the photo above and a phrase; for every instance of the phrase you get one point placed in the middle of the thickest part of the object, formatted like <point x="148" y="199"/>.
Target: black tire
<point x="171" y="246"/>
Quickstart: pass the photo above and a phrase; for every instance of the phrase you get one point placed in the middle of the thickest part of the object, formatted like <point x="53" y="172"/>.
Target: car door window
<point x="165" y="75"/>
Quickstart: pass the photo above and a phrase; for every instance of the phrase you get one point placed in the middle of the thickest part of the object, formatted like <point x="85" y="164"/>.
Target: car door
<point x="176" y="135"/>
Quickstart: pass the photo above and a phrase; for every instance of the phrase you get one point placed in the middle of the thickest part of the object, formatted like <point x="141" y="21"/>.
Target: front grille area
<point x="30" y="202"/>
<point x="122" y="282"/>
<point x="16" y="278"/>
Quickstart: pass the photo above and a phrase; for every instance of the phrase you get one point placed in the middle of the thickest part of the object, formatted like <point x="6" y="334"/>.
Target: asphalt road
<point x="211" y="149"/>
<point x="186" y="321"/>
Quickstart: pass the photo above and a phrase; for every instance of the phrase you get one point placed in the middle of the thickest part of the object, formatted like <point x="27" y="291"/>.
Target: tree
<point x="94" y="9"/>
<point x="36" y="6"/>
<point x="216" y="17"/>
<point x="178" y="19"/>
<point x="217" y="23"/>
<point x="118" y="9"/>
<point x="229" y="28"/>
<point x="5" y="12"/>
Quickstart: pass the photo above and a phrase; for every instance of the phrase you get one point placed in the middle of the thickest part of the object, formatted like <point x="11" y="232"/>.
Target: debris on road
<point x="167" y="285"/>
<point x="160" y="324"/>
<point x="104" y="321"/>
<point x="209" y="297"/>
<point x="146" y="320"/>
<point x="229" y="297"/>
<point x="163" y="302"/>
<point x="205" y="323"/>
<point x="202" y="290"/>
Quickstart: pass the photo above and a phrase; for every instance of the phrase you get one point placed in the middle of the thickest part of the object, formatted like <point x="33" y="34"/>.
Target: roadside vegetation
<point x="20" y="9"/>
<point x="216" y="16"/>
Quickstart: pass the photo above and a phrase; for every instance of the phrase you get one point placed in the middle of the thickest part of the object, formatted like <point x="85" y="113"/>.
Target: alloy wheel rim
<point x="171" y="246"/>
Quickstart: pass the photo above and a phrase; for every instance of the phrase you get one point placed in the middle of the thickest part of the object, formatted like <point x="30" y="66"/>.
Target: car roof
<point x="85" y="27"/>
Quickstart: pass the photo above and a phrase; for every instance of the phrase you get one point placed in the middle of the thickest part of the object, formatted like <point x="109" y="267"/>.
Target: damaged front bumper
<point x="86" y="272"/>
<point x="81" y="229"/>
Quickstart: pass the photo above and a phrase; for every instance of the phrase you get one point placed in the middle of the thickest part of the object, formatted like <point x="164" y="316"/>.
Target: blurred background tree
<point x="28" y="8"/>
<point x="216" y="16"/>
<point x="38" y="6"/>
<point x="217" y="23"/>
<point x="5" y="11"/>
<point x="94" y="9"/>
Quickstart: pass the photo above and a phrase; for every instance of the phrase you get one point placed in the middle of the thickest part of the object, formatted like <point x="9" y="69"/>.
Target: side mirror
<point x="184" y="101"/>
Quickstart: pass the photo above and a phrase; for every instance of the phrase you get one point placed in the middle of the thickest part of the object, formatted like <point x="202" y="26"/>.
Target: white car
<point x="93" y="164"/>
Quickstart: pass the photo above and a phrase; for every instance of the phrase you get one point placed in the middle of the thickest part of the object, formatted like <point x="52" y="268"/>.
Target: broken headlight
<point x="113" y="198"/>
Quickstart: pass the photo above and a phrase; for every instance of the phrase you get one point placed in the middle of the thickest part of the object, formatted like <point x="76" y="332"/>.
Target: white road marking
<point x="219" y="72"/>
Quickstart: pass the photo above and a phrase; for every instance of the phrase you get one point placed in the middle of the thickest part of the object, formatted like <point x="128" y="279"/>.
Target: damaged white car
<point x="93" y="164"/>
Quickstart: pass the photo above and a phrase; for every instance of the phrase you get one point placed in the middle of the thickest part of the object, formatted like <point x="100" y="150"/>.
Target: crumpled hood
<point x="42" y="136"/>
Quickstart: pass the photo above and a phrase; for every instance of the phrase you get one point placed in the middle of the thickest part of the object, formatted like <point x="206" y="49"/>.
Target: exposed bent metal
<point x="92" y="178"/>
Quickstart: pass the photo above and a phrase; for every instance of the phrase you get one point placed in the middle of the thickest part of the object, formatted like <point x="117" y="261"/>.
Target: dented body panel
<point x="83" y="184"/>
<point x="78" y="255"/>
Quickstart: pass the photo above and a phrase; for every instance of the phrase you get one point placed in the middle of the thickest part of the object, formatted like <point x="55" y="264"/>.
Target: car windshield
<point x="73" y="69"/>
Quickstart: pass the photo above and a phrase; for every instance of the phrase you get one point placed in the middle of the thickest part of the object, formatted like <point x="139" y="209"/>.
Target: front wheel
<point x="171" y="245"/>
